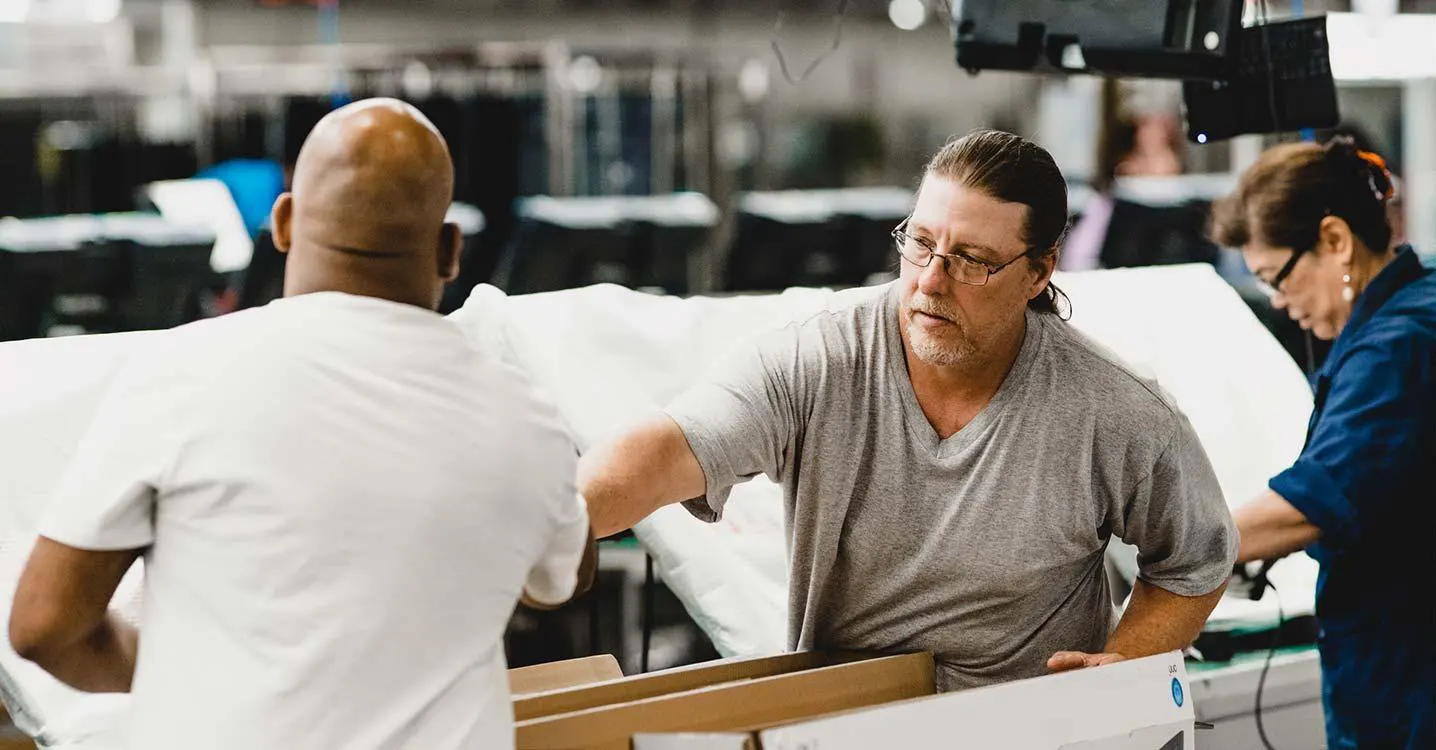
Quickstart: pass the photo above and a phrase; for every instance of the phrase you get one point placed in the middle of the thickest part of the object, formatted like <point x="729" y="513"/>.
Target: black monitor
<point x="1281" y="81"/>
<point x="1132" y="38"/>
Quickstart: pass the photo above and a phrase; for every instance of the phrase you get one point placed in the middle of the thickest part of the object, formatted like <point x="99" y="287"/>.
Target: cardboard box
<point x="1143" y="704"/>
<point x="563" y="674"/>
<point x="671" y="681"/>
<point x="733" y="696"/>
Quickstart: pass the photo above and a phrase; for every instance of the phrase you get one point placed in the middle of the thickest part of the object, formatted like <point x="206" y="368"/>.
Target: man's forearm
<point x="1158" y="621"/>
<point x="1271" y="528"/>
<point x="625" y="481"/>
<point x="101" y="662"/>
<point x="615" y="498"/>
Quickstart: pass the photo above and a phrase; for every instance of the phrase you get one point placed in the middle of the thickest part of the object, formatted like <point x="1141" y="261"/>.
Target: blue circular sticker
<point x="1177" y="694"/>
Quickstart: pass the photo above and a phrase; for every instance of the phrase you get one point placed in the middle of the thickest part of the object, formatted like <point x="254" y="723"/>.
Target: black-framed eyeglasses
<point x="960" y="266"/>
<point x="1273" y="287"/>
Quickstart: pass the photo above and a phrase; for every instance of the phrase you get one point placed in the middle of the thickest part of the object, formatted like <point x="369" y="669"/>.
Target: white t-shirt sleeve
<point x="105" y="499"/>
<point x="553" y="579"/>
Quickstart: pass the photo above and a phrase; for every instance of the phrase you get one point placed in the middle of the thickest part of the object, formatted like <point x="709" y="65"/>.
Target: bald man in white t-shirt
<point x="339" y="497"/>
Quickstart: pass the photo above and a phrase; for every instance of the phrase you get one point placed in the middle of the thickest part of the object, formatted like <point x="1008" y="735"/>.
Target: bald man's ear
<point x="279" y="219"/>
<point x="451" y="250"/>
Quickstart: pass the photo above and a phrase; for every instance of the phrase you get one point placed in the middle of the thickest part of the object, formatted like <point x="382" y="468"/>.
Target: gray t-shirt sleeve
<point x="741" y="422"/>
<point x="1179" y="521"/>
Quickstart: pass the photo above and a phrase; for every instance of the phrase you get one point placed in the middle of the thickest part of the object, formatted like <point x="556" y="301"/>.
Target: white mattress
<point x="610" y="356"/>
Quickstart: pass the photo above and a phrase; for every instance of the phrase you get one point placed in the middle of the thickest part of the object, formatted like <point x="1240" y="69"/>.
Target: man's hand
<point x="1066" y="661"/>
<point x="1156" y="621"/>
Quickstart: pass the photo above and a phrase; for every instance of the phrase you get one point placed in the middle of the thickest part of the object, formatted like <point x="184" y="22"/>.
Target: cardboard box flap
<point x="730" y="706"/>
<point x="563" y="674"/>
<point x="721" y="741"/>
<point x="1118" y="706"/>
<point x="669" y="681"/>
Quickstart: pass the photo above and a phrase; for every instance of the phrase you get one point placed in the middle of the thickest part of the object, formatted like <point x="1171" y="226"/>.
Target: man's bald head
<point x="366" y="213"/>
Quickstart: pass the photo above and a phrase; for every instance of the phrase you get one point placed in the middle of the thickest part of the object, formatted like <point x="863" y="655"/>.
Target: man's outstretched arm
<point x="630" y="478"/>
<point x="61" y="619"/>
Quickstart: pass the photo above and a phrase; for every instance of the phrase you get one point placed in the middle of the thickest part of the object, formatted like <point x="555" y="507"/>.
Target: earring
<point x="1347" y="293"/>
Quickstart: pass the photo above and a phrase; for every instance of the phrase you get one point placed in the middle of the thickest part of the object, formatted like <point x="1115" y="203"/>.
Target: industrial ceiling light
<point x="417" y="80"/>
<point x="14" y="11"/>
<point x="907" y="14"/>
<point x="753" y="81"/>
<point x="584" y="74"/>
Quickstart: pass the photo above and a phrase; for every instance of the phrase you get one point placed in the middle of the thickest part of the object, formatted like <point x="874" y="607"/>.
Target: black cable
<point x="648" y="586"/>
<point x="837" y="40"/>
<point x="593" y="601"/>
<point x="1310" y="356"/>
<point x="1266" y="666"/>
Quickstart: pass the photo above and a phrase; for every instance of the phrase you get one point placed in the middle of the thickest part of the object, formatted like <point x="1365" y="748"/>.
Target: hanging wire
<point x="943" y="6"/>
<point x="837" y="41"/>
<point x="1266" y="667"/>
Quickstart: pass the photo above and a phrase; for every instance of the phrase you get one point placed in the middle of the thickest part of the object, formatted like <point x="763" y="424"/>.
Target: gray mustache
<point x="931" y="307"/>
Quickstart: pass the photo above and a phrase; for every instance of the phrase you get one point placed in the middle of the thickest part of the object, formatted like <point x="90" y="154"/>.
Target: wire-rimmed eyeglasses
<point x="959" y="265"/>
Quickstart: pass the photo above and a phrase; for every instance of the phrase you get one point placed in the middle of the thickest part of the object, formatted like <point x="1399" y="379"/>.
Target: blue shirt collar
<point x="1402" y="270"/>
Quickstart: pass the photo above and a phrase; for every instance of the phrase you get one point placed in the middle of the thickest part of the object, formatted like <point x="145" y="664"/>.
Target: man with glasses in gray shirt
<point x="954" y="456"/>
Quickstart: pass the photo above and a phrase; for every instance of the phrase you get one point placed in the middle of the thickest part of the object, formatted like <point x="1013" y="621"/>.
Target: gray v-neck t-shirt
<point x="985" y="548"/>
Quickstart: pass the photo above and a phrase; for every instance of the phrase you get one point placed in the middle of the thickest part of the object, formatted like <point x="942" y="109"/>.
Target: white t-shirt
<point x="343" y="499"/>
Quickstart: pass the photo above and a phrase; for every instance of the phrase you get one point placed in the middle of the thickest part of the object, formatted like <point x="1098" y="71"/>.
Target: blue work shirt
<point x="1367" y="479"/>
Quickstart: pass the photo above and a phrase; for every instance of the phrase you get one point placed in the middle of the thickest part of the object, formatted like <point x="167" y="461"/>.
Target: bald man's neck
<point x="393" y="276"/>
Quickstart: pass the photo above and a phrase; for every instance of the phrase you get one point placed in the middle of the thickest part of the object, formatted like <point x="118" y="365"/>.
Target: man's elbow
<point x="38" y="636"/>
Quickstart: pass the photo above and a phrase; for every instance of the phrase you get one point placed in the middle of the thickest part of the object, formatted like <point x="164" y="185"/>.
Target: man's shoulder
<point x="1090" y="374"/>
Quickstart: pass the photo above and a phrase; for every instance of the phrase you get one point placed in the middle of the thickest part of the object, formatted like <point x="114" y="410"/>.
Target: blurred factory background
<point x="679" y="146"/>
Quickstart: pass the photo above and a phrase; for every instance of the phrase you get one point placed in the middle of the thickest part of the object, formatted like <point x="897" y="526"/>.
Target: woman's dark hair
<point x="1281" y="200"/>
<point x="1015" y="170"/>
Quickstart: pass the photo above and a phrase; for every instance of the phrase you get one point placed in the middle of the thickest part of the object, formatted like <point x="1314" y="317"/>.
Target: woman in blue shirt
<point x="1311" y="222"/>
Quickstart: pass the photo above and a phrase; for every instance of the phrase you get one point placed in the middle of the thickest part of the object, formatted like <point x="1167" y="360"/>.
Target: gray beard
<point x="940" y="352"/>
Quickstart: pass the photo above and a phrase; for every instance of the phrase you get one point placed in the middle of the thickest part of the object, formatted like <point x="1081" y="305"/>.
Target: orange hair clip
<point x="1379" y="163"/>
